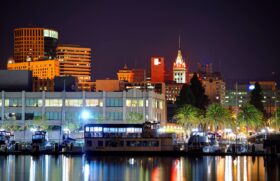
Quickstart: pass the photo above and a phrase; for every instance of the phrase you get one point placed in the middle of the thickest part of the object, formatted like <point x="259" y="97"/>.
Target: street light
<point x="85" y="115"/>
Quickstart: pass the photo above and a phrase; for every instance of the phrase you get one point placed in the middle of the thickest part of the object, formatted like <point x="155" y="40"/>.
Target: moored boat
<point x="127" y="138"/>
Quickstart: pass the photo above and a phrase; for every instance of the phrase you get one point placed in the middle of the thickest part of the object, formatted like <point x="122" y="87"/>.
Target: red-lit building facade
<point x="157" y="69"/>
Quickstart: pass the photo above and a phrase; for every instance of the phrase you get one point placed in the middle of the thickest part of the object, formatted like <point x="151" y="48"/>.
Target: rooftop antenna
<point x="179" y="41"/>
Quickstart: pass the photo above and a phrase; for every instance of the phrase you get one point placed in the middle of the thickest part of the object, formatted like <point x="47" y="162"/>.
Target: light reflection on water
<point x="46" y="167"/>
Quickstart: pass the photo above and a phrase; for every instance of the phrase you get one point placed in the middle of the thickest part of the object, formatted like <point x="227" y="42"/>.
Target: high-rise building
<point x="215" y="87"/>
<point x="242" y="91"/>
<point x="75" y="61"/>
<point x="157" y="69"/>
<point x="46" y="69"/>
<point x="125" y="74"/>
<point x="32" y="44"/>
<point x="43" y="72"/>
<point x="139" y="75"/>
<point x="180" y="70"/>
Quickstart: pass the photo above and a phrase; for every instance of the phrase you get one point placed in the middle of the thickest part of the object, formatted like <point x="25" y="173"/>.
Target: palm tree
<point x="188" y="115"/>
<point x="250" y="116"/>
<point x="216" y="114"/>
<point x="275" y="119"/>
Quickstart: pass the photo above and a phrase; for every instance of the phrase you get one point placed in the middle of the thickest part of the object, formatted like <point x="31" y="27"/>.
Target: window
<point x="114" y="102"/>
<point x="53" y="102"/>
<point x="114" y="115"/>
<point x="12" y="116"/>
<point x="100" y="143"/>
<point x="53" y="115"/>
<point x="33" y="102"/>
<point x="72" y="116"/>
<point x="94" y="102"/>
<point x="13" y="102"/>
<point x="89" y="143"/>
<point x="32" y="116"/>
<point x="74" y="102"/>
<point x="134" y="103"/>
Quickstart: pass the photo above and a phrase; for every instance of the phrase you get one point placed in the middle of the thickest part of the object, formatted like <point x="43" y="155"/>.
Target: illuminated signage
<point x="51" y="34"/>
<point x="156" y="61"/>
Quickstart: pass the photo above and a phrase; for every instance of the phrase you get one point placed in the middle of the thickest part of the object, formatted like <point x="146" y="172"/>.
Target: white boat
<point x="127" y="138"/>
<point x="196" y="142"/>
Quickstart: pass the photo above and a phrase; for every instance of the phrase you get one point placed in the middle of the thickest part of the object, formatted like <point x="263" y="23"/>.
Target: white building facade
<point x="102" y="107"/>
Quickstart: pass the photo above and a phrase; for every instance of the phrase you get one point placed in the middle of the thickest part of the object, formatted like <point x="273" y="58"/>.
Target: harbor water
<point x="93" y="168"/>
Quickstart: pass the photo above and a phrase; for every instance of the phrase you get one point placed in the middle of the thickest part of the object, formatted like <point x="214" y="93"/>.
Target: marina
<point x="139" y="139"/>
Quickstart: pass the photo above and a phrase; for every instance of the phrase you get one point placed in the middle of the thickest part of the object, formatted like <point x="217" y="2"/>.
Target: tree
<point x="257" y="97"/>
<point x="185" y="97"/>
<point x="200" y="99"/>
<point x="275" y="119"/>
<point x="40" y="122"/>
<point x="134" y="117"/>
<point x="216" y="114"/>
<point x="249" y="116"/>
<point x="193" y="94"/>
<point x="188" y="115"/>
<point x="72" y="125"/>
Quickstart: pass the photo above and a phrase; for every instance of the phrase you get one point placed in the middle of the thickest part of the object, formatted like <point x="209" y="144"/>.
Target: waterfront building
<point x="32" y="44"/>
<point x="76" y="61"/>
<point x="125" y="74"/>
<point x="157" y="69"/>
<point x="61" y="107"/>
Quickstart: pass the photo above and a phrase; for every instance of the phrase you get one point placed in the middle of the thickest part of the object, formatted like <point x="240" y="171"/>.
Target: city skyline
<point x="236" y="38"/>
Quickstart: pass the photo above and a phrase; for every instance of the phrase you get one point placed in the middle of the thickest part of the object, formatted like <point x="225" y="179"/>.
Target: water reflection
<point x="21" y="168"/>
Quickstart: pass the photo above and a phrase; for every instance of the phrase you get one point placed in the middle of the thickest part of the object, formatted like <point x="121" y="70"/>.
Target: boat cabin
<point x="123" y="137"/>
<point x="5" y="137"/>
<point x="39" y="137"/>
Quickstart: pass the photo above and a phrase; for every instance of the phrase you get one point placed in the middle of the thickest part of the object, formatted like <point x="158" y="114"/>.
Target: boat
<point x="40" y="142"/>
<point x="213" y="145"/>
<point x="237" y="148"/>
<point x="196" y="142"/>
<point x="127" y="138"/>
<point x="5" y="140"/>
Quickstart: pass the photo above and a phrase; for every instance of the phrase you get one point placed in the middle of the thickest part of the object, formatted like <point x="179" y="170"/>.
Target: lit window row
<point x="134" y="102"/>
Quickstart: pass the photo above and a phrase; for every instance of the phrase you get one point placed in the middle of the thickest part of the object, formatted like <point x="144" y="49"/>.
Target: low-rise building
<point x="58" y="108"/>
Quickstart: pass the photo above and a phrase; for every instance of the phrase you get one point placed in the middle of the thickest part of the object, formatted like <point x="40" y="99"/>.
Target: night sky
<point x="241" y="39"/>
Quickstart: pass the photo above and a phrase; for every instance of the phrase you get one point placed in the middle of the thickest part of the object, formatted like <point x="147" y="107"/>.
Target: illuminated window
<point x="128" y="102"/>
<point x="94" y="102"/>
<point x="33" y="102"/>
<point x="53" y="102"/>
<point x="140" y="103"/>
<point x="74" y="102"/>
<point x="13" y="102"/>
